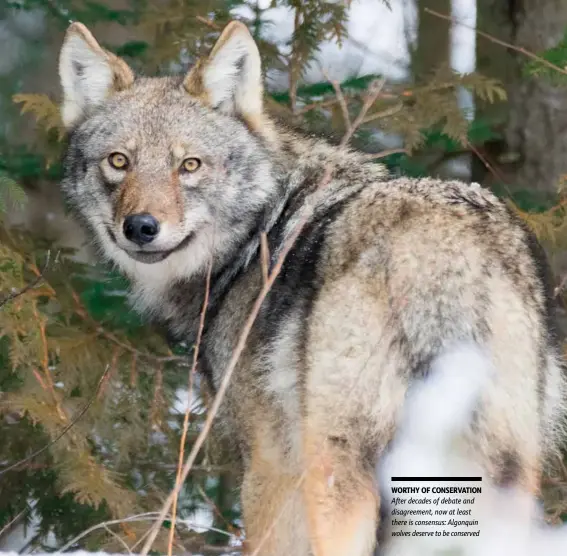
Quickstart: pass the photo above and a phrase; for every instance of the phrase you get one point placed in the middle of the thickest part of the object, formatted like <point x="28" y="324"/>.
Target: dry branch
<point x="495" y="40"/>
<point x="183" y="440"/>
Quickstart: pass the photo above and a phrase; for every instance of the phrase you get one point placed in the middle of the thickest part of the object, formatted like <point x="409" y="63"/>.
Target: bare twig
<point x="213" y="505"/>
<point x="74" y="421"/>
<point x="265" y="256"/>
<point x="35" y="282"/>
<point x="140" y="540"/>
<point x="208" y="22"/>
<point x="188" y="409"/>
<point x="148" y="516"/>
<point x="294" y="69"/>
<point x="118" y="538"/>
<point x="390" y="95"/>
<point x="490" y="167"/>
<point x="560" y="287"/>
<point x="319" y="104"/>
<point x="493" y="39"/>
<point x="138" y="518"/>
<point x="385" y="153"/>
<point x="212" y="549"/>
<point x="375" y="89"/>
<point x="384" y="113"/>
<point x="157" y="397"/>
<point x="341" y="100"/>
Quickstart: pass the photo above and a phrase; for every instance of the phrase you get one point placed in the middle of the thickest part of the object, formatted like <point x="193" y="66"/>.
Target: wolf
<point x="178" y="178"/>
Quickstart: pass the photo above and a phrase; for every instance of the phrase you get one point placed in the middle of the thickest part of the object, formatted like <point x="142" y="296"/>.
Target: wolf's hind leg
<point x="341" y="500"/>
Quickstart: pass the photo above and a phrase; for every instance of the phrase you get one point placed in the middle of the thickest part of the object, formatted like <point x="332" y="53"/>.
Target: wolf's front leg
<point x="272" y="507"/>
<point x="341" y="500"/>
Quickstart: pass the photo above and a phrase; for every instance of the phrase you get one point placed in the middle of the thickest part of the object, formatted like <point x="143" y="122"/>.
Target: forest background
<point x="92" y="399"/>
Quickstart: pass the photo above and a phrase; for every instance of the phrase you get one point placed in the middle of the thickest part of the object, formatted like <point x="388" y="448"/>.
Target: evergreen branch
<point x="131" y="349"/>
<point x="45" y="365"/>
<point x="388" y="94"/>
<point x="374" y="90"/>
<point x="45" y="111"/>
<point x="505" y="44"/>
<point x="35" y="282"/>
<point x="52" y="6"/>
<point x="100" y="330"/>
<point x="74" y="421"/>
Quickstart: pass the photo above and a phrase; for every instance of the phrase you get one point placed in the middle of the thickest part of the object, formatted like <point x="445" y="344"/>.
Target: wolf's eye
<point x="118" y="161"/>
<point x="191" y="165"/>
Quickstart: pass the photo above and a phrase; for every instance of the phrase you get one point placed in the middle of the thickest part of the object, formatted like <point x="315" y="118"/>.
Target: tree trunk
<point x="432" y="47"/>
<point x="536" y="129"/>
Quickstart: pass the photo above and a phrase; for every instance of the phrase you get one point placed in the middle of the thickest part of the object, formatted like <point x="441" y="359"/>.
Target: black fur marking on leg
<point x="509" y="469"/>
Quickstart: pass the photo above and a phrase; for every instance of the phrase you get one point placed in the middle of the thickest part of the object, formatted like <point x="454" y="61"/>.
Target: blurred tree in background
<point x="91" y="398"/>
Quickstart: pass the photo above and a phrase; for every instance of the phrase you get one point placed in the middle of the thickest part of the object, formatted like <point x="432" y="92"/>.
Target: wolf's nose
<point x="141" y="228"/>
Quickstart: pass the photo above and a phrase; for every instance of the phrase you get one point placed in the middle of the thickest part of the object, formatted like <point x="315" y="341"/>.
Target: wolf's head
<point x="164" y="170"/>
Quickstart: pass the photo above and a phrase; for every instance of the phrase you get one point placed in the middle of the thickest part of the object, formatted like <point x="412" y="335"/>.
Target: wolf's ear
<point x="230" y="79"/>
<point x="88" y="74"/>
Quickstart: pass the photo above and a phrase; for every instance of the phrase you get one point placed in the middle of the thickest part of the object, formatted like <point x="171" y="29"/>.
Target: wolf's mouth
<point x="150" y="257"/>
